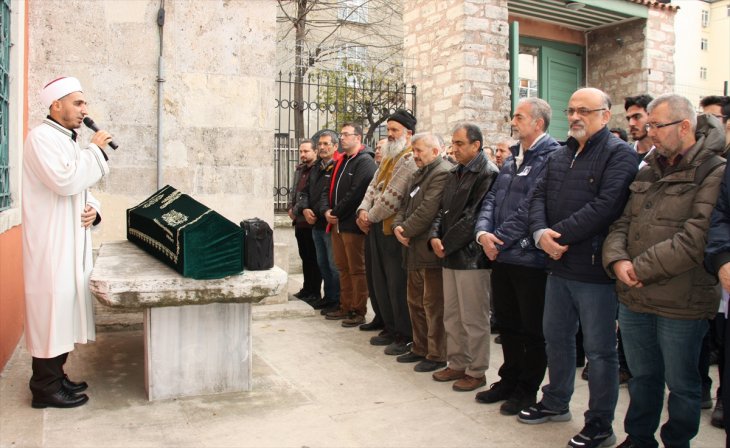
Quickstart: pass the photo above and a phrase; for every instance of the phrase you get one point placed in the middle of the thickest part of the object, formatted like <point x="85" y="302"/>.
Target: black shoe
<point x="300" y="294"/>
<point x="429" y="366"/>
<point x="586" y="373"/>
<point x="61" y="399"/>
<point x="627" y="444"/>
<point x="498" y="391"/>
<point x="516" y="403"/>
<point x="321" y="303"/>
<point x="498" y="339"/>
<point x="329" y="308"/>
<point x="72" y="386"/>
<point x="372" y="326"/>
<point x="717" y="419"/>
<point x="381" y="339"/>
<point x="310" y="298"/>
<point x="409" y="357"/>
<point x="397" y="347"/>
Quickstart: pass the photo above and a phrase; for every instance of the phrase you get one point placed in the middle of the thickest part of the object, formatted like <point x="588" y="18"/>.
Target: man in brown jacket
<point x="425" y="283"/>
<point x="655" y="250"/>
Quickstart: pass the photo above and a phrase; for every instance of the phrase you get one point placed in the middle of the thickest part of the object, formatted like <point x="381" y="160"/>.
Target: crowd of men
<point x="577" y="237"/>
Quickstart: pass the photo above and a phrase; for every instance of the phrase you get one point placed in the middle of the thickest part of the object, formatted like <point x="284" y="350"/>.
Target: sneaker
<point x="448" y="374"/>
<point x="706" y="398"/>
<point x="538" y="413"/>
<point x="516" y="403"/>
<point x="469" y="383"/>
<point x="397" y="348"/>
<point x="409" y="357"/>
<point x="336" y="315"/>
<point x="353" y="320"/>
<point x="497" y="392"/>
<point x="429" y="366"/>
<point x="717" y="419"/>
<point x="593" y="435"/>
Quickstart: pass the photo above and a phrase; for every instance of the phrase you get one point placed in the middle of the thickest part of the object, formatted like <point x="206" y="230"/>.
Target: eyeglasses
<point x="661" y="125"/>
<point x="347" y="134"/>
<point x="719" y="117"/>
<point x="582" y="111"/>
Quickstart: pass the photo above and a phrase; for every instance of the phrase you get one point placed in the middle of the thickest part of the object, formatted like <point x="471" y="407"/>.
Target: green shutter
<point x="560" y="76"/>
<point x="4" y="100"/>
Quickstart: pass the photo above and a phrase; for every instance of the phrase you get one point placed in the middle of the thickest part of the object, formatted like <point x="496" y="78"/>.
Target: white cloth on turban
<point x="58" y="88"/>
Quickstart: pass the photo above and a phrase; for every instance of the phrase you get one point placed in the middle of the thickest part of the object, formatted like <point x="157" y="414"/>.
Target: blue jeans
<point x="326" y="263"/>
<point x="659" y="350"/>
<point x="568" y="302"/>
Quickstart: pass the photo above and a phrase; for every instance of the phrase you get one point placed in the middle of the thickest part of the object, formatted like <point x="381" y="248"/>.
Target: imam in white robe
<point x="56" y="248"/>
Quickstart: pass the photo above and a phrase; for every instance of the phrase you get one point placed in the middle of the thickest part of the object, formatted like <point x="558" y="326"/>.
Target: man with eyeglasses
<point x="636" y="116"/>
<point x="655" y="251"/>
<point x="719" y="107"/>
<point x="583" y="190"/>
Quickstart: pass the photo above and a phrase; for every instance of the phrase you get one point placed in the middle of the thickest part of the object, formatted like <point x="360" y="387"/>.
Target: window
<point x="705" y="18"/>
<point x="4" y="102"/>
<point x="353" y="11"/>
<point x="354" y="54"/>
<point x="703" y="72"/>
<point x="528" y="88"/>
<point x="703" y="44"/>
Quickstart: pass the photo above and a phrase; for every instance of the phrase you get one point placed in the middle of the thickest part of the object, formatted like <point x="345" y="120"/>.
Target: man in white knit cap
<point x="57" y="213"/>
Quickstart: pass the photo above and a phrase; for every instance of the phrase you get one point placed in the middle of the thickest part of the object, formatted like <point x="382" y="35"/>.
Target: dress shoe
<point x="300" y="294"/>
<point x="397" y="347"/>
<point x="320" y="304"/>
<point x="448" y="374"/>
<point x="372" y="326"/>
<point x="469" y="383"/>
<point x="409" y="357"/>
<point x="429" y="366"/>
<point x="338" y="314"/>
<point x="61" y="399"/>
<point x="381" y="339"/>
<point x="718" y="413"/>
<point x="498" y="391"/>
<point x="73" y="386"/>
<point x="329" y="308"/>
<point x="353" y="320"/>
<point x="310" y="298"/>
<point x="627" y="444"/>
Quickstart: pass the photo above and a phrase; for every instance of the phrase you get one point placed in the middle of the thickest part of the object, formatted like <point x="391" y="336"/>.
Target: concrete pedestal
<point x="197" y="332"/>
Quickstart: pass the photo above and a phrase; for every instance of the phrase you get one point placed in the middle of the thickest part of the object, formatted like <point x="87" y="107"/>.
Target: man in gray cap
<point x="57" y="213"/>
<point x="375" y="215"/>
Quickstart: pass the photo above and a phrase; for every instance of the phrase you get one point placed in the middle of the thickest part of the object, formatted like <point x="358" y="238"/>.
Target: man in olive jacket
<point x="655" y="250"/>
<point x="465" y="274"/>
<point x="425" y="283"/>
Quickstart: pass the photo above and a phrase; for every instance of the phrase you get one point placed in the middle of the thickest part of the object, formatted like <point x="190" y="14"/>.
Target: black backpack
<point x="258" y="247"/>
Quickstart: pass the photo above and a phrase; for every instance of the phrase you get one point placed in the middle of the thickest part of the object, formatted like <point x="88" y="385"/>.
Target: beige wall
<point x="219" y="59"/>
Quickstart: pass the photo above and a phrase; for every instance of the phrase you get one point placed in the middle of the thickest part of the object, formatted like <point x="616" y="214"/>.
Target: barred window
<point x="4" y="102"/>
<point x="353" y="11"/>
<point x="705" y="18"/>
<point x="703" y="44"/>
<point x="703" y="72"/>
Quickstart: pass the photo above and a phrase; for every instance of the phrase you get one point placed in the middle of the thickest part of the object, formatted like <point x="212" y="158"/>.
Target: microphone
<point x="91" y="125"/>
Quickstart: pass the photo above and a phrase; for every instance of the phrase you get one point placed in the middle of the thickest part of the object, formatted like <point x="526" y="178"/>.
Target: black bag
<point x="258" y="253"/>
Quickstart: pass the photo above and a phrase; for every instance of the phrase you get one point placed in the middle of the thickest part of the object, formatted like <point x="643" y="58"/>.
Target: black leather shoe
<point x="72" y="386"/>
<point x="381" y="340"/>
<point x="61" y="399"/>
<point x="429" y="366"/>
<point x="627" y="444"/>
<point x="498" y="391"/>
<point x="372" y="326"/>
<point x="409" y="357"/>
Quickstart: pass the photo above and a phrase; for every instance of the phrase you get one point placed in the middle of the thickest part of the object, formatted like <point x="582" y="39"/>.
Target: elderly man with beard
<point x="425" y="283"/>
<point x="636" y="117"/>
<point x="464" y="265"/>
<point x="518" y="267"/>
<point x="583" y="190"/>
<point x="375" y="216"/>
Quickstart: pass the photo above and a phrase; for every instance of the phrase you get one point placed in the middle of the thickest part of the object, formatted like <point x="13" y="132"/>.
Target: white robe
<point x="56" y="248"/>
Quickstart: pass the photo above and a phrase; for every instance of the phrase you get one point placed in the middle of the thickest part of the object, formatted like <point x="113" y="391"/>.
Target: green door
<point x="560" y="75"/>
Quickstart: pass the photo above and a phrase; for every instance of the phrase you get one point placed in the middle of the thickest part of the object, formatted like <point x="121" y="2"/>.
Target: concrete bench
<point x="197" y="332"/>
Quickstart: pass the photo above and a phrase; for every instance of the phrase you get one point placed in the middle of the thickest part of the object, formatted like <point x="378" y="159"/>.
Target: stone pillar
<point x="456" y="55"/>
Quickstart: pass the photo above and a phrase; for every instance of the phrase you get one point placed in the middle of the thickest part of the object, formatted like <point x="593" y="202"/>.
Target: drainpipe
<point x="160" y="94"/>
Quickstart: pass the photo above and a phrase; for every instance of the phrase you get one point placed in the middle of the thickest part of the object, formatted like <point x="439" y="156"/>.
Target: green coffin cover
<point x="193" y="239"/>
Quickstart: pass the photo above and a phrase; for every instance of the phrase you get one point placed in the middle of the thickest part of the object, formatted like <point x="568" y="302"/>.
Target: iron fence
<point x="326" y="101"/>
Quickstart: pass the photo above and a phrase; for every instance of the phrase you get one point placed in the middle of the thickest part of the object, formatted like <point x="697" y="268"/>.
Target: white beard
<point x="392" y="149"/>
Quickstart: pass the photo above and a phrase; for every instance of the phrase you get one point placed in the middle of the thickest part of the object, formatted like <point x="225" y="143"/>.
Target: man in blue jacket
<point x="583" y="190"/>
<point x="518" y="267"/>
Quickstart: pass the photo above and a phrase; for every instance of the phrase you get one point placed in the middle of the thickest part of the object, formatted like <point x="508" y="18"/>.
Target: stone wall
<point x="632" y="58"/>
<point x="219" y="59"/>
<point x="458" y="50"/>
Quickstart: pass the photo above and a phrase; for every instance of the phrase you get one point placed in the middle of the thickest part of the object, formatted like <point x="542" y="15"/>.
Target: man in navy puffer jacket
<point x="583" y="190"/>
<point x="518" y="267"/>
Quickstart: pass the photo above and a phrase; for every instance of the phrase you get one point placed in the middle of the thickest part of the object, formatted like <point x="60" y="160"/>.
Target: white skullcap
<point x="58" y="88"/>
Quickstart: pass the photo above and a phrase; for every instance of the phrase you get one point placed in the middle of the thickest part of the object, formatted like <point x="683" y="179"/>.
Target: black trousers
<point x="390" y="281"/>
<point x="369" y="276"/>
<point x="518" y="293"/>
<point x="47" y="375"/>
<point x="308" y="254"/>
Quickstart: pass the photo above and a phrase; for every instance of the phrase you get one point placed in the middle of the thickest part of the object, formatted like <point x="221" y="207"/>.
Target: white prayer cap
<point x="58" y="88"/>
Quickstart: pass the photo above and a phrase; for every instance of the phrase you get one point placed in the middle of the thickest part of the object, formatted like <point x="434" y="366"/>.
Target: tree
<point x="333" y="34"/>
